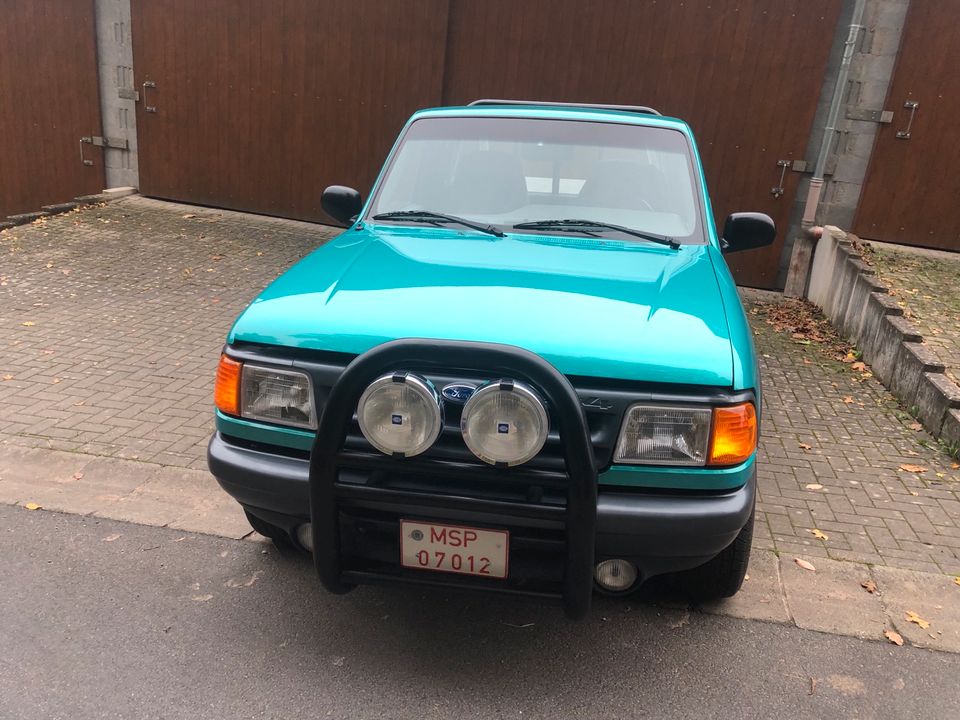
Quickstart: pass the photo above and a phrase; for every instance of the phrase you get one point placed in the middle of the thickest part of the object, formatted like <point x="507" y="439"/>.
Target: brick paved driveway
<point x="111" y="320"/>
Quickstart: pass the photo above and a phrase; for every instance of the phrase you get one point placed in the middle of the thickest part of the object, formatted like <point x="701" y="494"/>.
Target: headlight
<point x="277" y="396"/>
<point x="504" y="422"/>
<point x="400" y="414"/>
<point x="660" y="435"/>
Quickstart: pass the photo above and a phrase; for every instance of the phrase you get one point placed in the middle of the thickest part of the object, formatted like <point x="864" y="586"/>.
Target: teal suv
<point x="522" y="368"/>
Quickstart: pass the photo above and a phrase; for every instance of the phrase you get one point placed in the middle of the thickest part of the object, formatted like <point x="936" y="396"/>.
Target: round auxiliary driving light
<point x="504" y="423"/>
<point x="615" y="575"/>
<point x="400" y="414"/>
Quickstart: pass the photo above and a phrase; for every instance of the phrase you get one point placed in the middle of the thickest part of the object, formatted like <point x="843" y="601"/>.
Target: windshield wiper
<point x="578" y="225"/>
<point x="437" y="219"/>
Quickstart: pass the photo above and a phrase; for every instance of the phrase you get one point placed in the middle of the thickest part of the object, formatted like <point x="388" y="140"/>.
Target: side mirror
<point x="341" y="203"/>
<point x="747" y="231"/>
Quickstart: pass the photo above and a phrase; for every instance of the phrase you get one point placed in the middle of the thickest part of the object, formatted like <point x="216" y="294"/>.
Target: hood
<point x="591" y="307"/>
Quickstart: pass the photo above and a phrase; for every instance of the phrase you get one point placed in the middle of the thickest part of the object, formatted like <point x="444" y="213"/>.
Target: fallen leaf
<point x="111" y="538"/>
<point x="804" y="446"/>
<point x="78" y="476"/>
<point x="28" y="323"/>
<point x="915" y="426"/>
<point x="804" y="564"/>
<point x="819" y="534"/>
<point x="32" y="506"/>
<point x="956" y="580"/>
<point x="188" y="216"/>
<point x="916" y="619"/>
<point x="806" y="361"/>
<point x="910" y="467"/>
<point x="202" y="598"/>
<point x="244" y="582"/>
<point x="849" y="399"/>
<point x="869" y="585"/>
<point x="814" y="486"/>
<point x="8" y="377"/>
<point x="894" y="637"/>
<point x="955" y="466"/>
<point x="858" y="366"/>
<point x="915" y="493"/>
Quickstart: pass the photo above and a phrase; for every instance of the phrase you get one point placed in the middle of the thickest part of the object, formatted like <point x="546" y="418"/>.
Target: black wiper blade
<point x="578" y="225"/>
<point x="436" y="218"/>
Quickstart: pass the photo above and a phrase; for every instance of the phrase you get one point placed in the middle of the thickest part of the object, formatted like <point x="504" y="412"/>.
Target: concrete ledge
<point x="863" y="311"/>
<point x="106" y="196"/>
<point x="24" y="218"/>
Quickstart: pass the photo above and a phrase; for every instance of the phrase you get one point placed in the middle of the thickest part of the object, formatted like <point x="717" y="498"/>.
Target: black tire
<point x="276" y="534"/>
<point x="722" y="576"/>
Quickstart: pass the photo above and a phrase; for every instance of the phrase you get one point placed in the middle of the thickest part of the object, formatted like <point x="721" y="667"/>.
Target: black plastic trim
<point x="329" y="454"/>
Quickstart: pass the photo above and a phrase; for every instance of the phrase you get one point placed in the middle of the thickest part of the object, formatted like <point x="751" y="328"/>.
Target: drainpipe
<point x="816" y="182"/>
<point x="800" y="261"/>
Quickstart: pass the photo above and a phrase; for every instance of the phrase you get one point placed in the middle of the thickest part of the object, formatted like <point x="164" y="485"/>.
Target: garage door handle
<point x="912" y="106"/>
<point x="148" y="84"/>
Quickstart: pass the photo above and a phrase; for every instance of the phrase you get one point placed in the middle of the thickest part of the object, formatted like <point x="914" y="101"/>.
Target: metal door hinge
<point x="878" y="116"/>
<point x="97" y="141"/>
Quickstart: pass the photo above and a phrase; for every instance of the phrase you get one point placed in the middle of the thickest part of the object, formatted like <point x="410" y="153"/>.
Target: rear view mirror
<point x="747" y="231"/>
<point x="341" y="203"/>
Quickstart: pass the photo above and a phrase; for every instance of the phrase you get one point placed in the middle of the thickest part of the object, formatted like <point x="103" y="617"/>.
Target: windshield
<point x="505" y="171"/>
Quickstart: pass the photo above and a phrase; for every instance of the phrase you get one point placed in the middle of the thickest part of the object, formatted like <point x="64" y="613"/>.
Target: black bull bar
<point x="329" y="456"/>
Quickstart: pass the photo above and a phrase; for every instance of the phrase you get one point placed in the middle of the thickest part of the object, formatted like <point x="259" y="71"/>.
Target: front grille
<point x="604" y="402"/>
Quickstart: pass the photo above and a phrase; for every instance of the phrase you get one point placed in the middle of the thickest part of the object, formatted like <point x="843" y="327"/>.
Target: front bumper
<point x="659" y="531"/>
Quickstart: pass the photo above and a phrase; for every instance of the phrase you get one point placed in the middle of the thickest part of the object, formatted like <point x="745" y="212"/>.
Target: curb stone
<point x="862" y="310"/>
<point x="828" y="599"/>
<point x="106" y="196"/>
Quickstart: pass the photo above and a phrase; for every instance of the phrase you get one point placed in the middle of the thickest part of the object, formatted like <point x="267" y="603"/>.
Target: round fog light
<point x="615" y="575"/>
<point x="305" y="536"/>
<point x="504" y="423"/>
<point x="400" y="414"/>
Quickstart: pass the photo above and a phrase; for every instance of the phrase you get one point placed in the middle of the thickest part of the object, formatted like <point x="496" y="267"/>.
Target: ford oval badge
<point x="458" y="392"/>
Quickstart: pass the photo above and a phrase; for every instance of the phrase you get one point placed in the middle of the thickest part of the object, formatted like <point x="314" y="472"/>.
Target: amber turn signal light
<point x="734" y="434"/>
<point x="226" y="392"/>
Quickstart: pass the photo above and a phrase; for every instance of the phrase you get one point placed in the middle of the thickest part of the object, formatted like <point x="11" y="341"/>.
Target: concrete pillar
<point x="871" y="72"/>
<point x="117" y="92"/>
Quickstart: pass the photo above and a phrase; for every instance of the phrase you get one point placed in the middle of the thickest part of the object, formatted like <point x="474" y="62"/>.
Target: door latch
<point x="912" y="106"/>
<point x="146" y="106"/>
<point x="778" y="190"/>
<point x="97" y="141"/>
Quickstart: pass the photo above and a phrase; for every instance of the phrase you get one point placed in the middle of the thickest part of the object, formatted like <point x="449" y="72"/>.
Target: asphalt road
<point x="101" y="619"/>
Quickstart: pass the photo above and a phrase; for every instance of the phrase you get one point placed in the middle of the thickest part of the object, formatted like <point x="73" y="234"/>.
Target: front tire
<point x="722" y="576"/>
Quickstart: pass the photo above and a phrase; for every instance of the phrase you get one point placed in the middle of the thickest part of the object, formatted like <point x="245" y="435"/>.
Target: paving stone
<point x="830" y="599"/>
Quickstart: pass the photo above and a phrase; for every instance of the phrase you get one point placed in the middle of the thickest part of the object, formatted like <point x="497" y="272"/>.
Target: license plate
<point x="454" y="549"/>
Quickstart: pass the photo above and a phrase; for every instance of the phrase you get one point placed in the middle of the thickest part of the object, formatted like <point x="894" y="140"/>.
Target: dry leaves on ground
<point x="32" y="506"/>
<point x="894" y="637"/>
<point x="911" y="616"/>
<point x="819" y="534"/>
<point x="911" y="468"/>
<point x="804" y="564"/>
<point x="915" y="426"/>
<point x="869" y="585"/>
<point x="848" y="399"/>
<point x="956" y="580"/>
<point x="804" y="446"/>
<point x="814" y="486"/>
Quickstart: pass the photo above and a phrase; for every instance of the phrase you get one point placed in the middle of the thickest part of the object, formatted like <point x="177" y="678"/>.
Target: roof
<point x="595" y="113"/>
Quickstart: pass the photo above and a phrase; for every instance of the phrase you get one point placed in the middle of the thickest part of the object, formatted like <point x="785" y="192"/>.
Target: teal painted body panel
<point x="598" y="308"/>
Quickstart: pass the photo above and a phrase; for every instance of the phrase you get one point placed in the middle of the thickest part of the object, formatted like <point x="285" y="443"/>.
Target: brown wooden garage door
<point x="260" y="104"/>
<point x="49" y="99"/>
<point x="912" y="190"/>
